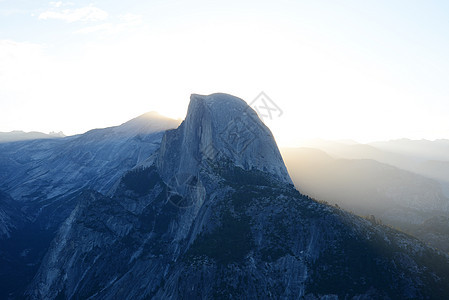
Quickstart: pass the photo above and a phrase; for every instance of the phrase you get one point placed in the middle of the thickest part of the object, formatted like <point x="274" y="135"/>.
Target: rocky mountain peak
<point x="147" y="123"/>
<point x="220" y="127"/>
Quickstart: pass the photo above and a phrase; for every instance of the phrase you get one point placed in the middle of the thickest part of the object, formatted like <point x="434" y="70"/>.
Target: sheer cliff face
<point x="220" y="127"/>
<point x="213" y="214"/>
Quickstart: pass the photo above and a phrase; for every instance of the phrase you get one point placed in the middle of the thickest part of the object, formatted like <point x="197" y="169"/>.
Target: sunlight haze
<point x="337" y="69"/>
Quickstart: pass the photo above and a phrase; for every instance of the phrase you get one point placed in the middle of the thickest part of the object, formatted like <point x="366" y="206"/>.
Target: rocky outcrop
<point x="220" y="127"/>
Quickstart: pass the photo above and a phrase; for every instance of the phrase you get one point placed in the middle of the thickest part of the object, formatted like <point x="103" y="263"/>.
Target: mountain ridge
<point x="46" y="178"/>
<point x="231" y="229"/>
<point x="19" y="135"/>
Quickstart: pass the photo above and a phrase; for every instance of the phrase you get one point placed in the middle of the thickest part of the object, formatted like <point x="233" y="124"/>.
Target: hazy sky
<point x="365" y="70"/>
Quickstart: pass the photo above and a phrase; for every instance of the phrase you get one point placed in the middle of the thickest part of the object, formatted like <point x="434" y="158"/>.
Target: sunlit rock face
<point x="213" y="214"/>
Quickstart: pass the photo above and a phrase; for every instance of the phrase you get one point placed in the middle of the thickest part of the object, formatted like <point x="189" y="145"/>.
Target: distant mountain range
<point x="418" y="149"/>
<point x="206" y="209"/>
<point x="17" y="135"/>
<point x="395" y="181"/>
<point x="432" y="157"/>
<point x="427" y="158"/>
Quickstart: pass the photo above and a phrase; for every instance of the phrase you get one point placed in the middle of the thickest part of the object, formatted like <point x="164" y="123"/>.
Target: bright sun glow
<point x="337" y="70"/>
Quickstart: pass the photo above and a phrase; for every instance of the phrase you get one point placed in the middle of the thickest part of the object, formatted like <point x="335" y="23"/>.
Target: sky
<point x="360" y="70"/>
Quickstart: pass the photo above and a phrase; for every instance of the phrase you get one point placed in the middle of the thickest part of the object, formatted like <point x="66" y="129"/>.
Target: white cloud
<point x="105" y="27"/>
<point x="87" y="13"/>
<point x="60" y="4"/>
<point x="127" y="22"/>
<point x="56" y="4"/>
<point x="131" y="18"/>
